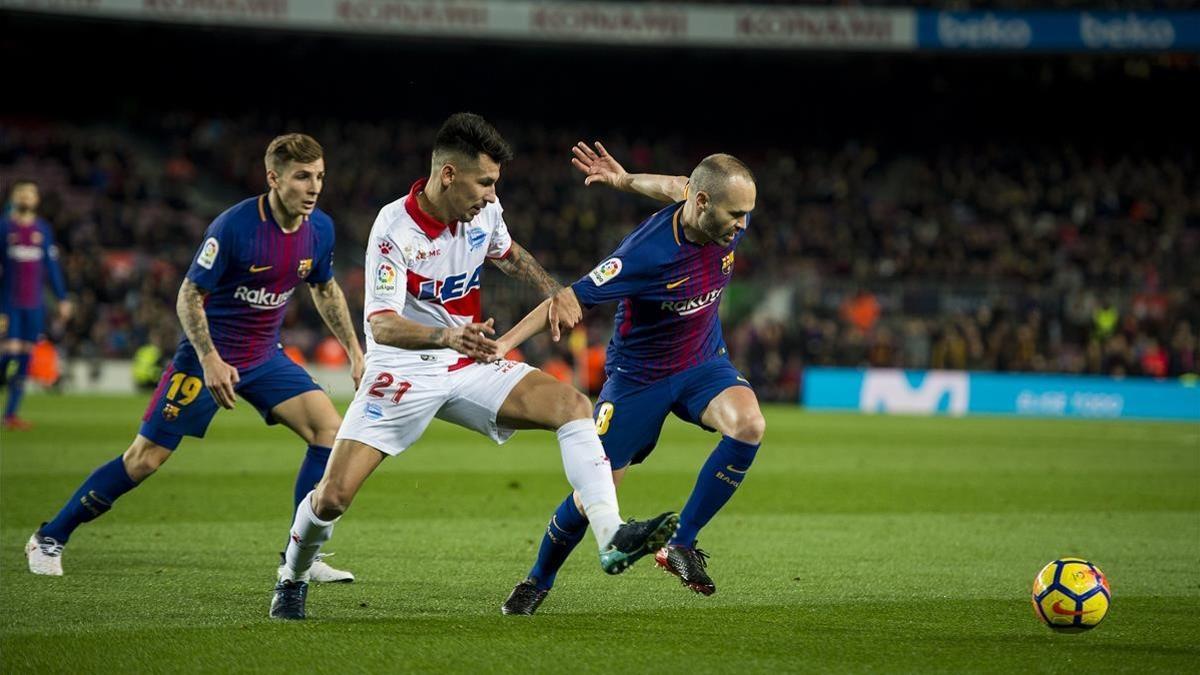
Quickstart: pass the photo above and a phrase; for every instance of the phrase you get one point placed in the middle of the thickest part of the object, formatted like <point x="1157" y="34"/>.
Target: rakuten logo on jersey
<point x="692" y="305"/>
<point x="261" y="298"/>
<point x="449" y="289"/>
<point x="1125" y="32"/>
<point x="983" y="31"/>
<point x="25" y="253"/>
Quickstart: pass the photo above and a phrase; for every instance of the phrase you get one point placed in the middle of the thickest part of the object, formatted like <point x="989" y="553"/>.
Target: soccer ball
<point x="1071" y="595"/>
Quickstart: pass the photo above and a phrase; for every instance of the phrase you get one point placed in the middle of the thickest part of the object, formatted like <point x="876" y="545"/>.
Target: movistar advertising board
<point x="944" y="392"/>
<point x="1059" y="31"/>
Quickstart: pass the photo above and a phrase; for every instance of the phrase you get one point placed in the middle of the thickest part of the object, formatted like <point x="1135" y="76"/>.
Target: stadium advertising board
<point x="1058" y="31"/>
<point x="732" y="25"/>
<point x="957" y="393"/>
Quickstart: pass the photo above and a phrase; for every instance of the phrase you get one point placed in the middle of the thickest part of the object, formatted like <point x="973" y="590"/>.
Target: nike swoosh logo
<point x="677" y="284"/>
<point x="742" y="379"/>
<point x="729" y="468"/>
<point x="1057" y="609"/>
<point x="255" y="269"/>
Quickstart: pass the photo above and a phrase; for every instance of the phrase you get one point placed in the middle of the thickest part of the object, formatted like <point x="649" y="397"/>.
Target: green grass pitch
<point x="862" y="544"/>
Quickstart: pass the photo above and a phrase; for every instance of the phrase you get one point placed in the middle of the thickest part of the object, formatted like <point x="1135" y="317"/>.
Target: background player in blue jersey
<point x="666" y="355"/>
<point x="27" y="259"/>
<point x="231" y="305"/>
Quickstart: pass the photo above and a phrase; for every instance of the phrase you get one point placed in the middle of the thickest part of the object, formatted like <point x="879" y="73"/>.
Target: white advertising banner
<point x="728" y="26"/>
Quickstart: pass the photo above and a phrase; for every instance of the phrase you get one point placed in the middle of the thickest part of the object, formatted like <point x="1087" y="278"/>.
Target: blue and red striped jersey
<point x="668" y="290"/>
<point x="29" y="258"/>
<point x="250" y="267"/>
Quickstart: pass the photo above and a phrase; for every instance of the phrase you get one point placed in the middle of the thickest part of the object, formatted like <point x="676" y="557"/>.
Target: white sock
<point x="590" y="474"/>
<point x="308" y="534"/>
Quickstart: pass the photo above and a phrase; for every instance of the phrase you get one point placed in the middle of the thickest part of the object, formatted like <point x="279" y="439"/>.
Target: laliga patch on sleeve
<point x="605" y="271"/>
<point x="385" y="279"/>
<point x="208" y="253"/>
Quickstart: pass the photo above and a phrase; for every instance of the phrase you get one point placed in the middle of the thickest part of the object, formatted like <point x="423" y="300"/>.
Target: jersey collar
<point x="265" y="215"/>
<point x="677" y="227"/>
<point x="432" y="227"/>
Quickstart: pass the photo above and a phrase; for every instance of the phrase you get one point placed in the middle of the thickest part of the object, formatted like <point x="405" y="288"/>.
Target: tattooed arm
<point x="563" y="309"/>
<point x="389" y="328"/>
<point x="520" y="264"/>
<point x="331" y="303"/>
<point x="219" y="377"/>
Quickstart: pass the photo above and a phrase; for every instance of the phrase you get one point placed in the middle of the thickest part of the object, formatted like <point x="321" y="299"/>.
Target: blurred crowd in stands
<point x="985" y="257"/>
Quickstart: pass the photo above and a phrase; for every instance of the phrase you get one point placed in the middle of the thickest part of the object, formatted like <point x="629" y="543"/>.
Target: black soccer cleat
<point x="288" y="602"/>
<point x="635" y="539"/>
<point x="688" y="564"/>
<point x="524" y="599"/>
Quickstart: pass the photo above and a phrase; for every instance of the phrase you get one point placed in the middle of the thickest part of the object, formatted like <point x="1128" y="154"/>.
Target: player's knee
<point x="749" y="427"/>
<point x="325" y="435"/>
<point x="331" y="500"/>
<point x="143" y="458"/>
<point x="575" y="406"/>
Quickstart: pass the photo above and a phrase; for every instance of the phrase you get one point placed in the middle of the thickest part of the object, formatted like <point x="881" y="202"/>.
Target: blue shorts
<point x="183" y="406"/>
<point x="24" y="324"/>
<point x="629" y="417"/>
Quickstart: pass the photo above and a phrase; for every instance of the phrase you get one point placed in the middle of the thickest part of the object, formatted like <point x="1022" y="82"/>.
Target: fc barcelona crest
<point x="170" y="412"/>
<point x="727" y="263"/>
<point x="305" y="267"/>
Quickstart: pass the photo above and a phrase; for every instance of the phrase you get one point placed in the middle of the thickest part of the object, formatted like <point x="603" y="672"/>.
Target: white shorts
<point x="391" y="409"/>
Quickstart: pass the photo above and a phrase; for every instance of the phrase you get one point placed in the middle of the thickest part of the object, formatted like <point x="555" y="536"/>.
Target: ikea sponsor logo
<point x="986" y="30"/>
<point x="693" y="304"/>
<point x="450" y="288"/>
<point x="261" y="298"/>
<point x="1129" y="31"/>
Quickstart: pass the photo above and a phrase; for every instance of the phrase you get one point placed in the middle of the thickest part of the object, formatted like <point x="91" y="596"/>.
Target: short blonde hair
<point x="292" y="148"/>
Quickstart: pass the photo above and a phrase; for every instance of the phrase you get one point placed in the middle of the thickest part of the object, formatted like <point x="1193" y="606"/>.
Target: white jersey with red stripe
<point x="428" y="272"/>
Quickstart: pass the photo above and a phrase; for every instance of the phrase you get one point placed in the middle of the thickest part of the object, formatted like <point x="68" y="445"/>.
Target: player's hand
<point x="597" y="165"/>
<point x="502" y="349"/>
<point x="220" y="378"/>
<point x="564" y="311"/>
<point x="357" y="365"/>
<point x="66" y="309"/>
<point x="472" y="340"/>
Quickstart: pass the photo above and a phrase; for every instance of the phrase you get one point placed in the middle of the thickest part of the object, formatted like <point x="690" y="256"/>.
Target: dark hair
<point x="12" y="188"/>
<point x="293" y="148"/>
<point x="469" y="134"/>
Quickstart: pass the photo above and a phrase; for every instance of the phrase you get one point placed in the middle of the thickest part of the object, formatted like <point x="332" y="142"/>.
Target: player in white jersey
<point x="429" y="355"/>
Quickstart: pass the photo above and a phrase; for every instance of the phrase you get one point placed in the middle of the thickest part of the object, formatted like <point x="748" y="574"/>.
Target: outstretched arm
<point x="533" y="323"/>
<point x="331" y="303"/>
<point x="599" y="167"/>
<point x="562" y="310"/>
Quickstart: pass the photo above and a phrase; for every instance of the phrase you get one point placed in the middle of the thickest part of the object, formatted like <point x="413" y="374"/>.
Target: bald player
<point x="666" y="355"/>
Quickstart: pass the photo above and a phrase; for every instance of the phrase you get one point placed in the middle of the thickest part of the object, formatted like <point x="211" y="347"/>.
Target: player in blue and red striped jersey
<point x="29" y="257"/>
<point x="666" y="355"/>
<point x="231" y="305"/>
